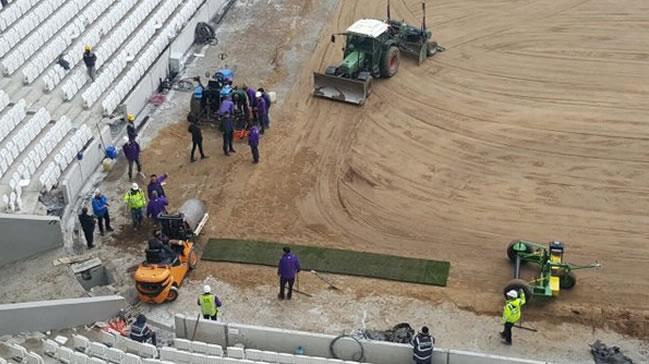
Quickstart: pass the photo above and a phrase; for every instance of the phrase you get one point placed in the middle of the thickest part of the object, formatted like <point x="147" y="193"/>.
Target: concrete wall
<point x="272" y="339"/>
<point x="57" y="314"/>
<point x="23" y="236"/>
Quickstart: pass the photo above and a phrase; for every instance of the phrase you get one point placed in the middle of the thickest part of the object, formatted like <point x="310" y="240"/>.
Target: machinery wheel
<point x="511" y="254"/>
<point x="193" y="260"/>
<point x="173" y="294"/>
<point x="567" y="280"/>
<point x="391" y="62"/>
<point x="518" y="284"/>
<point x="431" y="48"/>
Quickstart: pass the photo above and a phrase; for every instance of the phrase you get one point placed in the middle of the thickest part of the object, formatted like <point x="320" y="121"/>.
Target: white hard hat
<point x="207" y="289"/>
<point x="125" y="139"/>
<point x="258" y="94"/>
<point x="512" y="294"/>
<point x="97" y="191"/>
<point x="134" y="186"/>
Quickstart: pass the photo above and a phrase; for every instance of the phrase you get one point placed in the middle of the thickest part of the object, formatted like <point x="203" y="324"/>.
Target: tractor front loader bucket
<point x="341" y="89"/>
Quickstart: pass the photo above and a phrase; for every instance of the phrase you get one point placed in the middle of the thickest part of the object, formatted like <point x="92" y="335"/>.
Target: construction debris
<point x="608" y="355"/>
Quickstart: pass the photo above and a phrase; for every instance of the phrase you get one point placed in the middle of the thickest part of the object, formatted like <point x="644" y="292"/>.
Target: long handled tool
<point x="331" y="285"/>
<point x="519" y="326"/>
<point x="297" y="288"/>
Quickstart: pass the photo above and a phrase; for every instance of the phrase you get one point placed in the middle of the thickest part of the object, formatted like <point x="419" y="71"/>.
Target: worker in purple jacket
<point x="251" y="95"/>
<point x="253" y="142"/>
<point x="157" y="205"/>
<point x="132" y="153"/>
<point x="262" y="112"/>
<point x="287" y="269"/>
<point x="155" y="184"/>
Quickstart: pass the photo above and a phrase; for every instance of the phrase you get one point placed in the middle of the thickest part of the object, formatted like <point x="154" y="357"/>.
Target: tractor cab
<point x="365" y="43"/>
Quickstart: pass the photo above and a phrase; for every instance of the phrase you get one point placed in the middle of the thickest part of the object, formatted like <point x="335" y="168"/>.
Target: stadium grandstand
<point x="55" y="121"/>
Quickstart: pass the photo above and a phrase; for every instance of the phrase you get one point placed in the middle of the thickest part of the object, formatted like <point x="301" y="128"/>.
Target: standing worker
<point x="135" y="200"/>
<point x="422" y="347"/>
<point x="131" y="130"/>
<point x="89" y="58"/>
<point x="209" y="304"/>
<point x="132" y="153"/>
<point x="141" y="332"/>
<point x="100" y="209"/>
<point x="155" y="184"/>
<point x="261" y="111"/>
<point x="226" y="112"/>
<point x="197" y="140"/>
<point x="253" y="142"/>
<point x="512" y="313"/>
<point x="287" y="269"/>
<point x="266" y="98"/>
<point x="156" y="206"/>
<point x="88" y="226"/>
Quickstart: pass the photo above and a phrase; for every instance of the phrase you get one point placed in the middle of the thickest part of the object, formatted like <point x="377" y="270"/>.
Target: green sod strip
<point x="331" y="260"/>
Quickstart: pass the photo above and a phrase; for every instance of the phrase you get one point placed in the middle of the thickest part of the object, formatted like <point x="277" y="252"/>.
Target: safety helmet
<point x="135" y="187"/>
<point x="97" y="191"/>
<point x="258" y="94"/>
<point x="207" y="289"/>
<point x="226" y="91"/>
<point x="87" y="48"/>
<point x="512" y="294"/>
<point x="130" y="117"/>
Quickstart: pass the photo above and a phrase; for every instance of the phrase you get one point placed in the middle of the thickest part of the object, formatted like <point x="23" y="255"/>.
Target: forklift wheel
<point x="173" y="294"/>
<point x="511" y="254"/>
<point x="567" y="280"/>
<point x="193" y="260"/>
<point x="518" y="284"/>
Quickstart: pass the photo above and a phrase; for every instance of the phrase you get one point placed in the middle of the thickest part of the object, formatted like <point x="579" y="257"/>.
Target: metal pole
<point x="517" y="267"/>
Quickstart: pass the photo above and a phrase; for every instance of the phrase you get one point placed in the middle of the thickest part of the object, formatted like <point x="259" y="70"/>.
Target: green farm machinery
<point x="554" y="273"/>
<point x="372" y="50"/>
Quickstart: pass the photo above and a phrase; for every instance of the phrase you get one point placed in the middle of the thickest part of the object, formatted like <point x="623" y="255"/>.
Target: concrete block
<point x="24" y="236"/>
<point x="57" y="314"/>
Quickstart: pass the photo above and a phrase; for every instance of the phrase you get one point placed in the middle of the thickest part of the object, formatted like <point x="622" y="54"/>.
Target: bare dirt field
<point x="531" y="125"/>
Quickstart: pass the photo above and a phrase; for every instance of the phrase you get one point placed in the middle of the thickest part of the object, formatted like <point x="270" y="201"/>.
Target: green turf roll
<point x="331" y="260"/>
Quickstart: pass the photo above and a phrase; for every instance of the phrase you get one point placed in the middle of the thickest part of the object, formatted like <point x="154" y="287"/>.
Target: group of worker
<point x="135" y="200"/>
<point x="241" y="109"/>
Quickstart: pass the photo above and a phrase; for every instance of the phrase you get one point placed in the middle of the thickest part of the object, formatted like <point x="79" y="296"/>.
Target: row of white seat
<point x="91" y="37"/>
<point x="12" y="117"/>
<point x="15" y="33"/>
<point x="19" y="352"/>
<point x="29" y="130"/>
<point x="132" y="48"/>
<point x="37" y="154"/>
<point x="17" y="56"/>
<point x="68" y="152"/>
<point x="62" y="40"/>
<point x="116" y="340"/>
<point x="4" y="100"/>
<point x="14" y="11"/>
<point x="121" y="89"/>
<point x="79" y="77"/>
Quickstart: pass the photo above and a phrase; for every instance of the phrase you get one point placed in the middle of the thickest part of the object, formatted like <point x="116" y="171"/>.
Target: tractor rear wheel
<point x="517" y="285"/>
<point x="511" y="254"/>
<point x="391" y="61"/>
<point x="173" y="294"/>
<point x="567" y="280"/>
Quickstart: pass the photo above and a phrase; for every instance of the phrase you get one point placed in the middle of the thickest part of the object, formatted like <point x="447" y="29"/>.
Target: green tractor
<point x="372" y="50"/>
<point x="554" y="274"/>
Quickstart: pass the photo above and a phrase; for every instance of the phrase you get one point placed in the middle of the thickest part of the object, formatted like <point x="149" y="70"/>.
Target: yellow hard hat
<point x="131" y="117"/>
<point x="87" y="48"/>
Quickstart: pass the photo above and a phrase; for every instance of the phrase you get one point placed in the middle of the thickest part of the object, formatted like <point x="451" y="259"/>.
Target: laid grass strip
<point x="331" y="260"/>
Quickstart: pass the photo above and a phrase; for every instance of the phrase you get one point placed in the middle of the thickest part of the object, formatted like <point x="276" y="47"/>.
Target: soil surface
<point x="531" y="125"/>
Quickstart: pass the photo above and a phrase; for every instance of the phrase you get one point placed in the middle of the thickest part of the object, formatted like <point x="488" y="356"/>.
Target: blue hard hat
<point x="226" y="91"/>
<point x="224" y="75"/>
<point x="198" y="91"/>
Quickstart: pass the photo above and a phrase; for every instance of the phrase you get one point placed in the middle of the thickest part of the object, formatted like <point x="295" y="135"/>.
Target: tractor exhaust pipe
<point x="389" y="11"/>
<point x="423" y="21"/>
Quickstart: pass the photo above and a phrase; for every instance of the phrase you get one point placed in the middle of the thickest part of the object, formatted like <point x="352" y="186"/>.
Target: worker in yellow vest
<point x="209" y="304"/>
<point x="512" y="313"/>
<point x="135" y="201"/>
